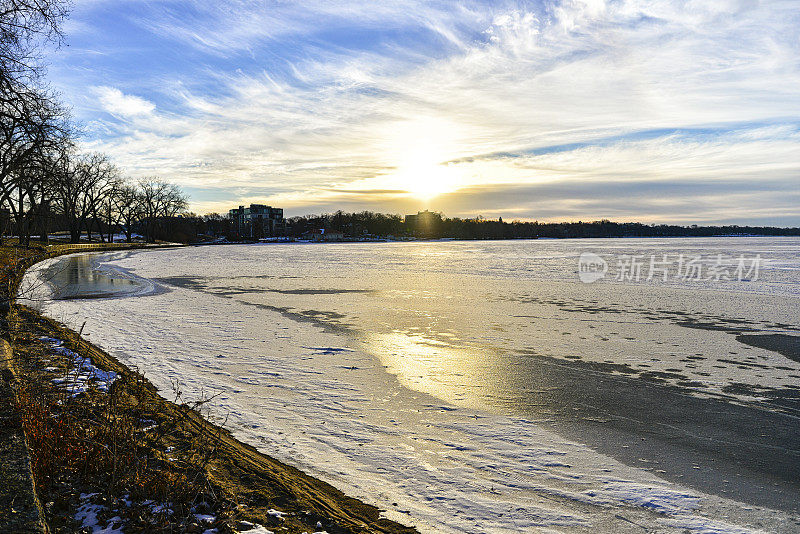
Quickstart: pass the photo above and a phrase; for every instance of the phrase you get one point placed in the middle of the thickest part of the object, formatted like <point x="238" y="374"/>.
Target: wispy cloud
<point x="330" y="104"/>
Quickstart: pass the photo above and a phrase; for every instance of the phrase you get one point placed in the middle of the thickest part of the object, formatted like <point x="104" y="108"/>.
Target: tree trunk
<point x="22" y="223"/>
<point x="44" y="235"/>
<point x="111" y="229"/>
<point x="43" y="218"/>
<point x="99" y="225"/>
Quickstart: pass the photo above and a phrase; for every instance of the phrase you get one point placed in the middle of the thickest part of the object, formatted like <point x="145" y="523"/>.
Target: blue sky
<point x="680" y="112"/>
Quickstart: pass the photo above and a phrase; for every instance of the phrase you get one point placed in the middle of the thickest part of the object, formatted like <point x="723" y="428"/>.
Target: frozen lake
<point x="483" y="386"/>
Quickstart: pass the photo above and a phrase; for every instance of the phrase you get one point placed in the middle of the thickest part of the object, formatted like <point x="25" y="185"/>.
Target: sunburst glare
<point x="423" y="148"/>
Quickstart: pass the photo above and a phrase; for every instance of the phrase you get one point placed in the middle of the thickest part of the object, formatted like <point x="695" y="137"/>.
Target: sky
<point x="647" y="110"/>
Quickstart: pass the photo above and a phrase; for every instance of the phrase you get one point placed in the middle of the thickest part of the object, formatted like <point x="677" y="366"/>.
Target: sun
<point x="426" y="177"/>
<point x="422" y="149"/>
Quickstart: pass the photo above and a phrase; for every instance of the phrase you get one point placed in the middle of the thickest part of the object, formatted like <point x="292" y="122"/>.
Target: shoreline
<point x="249" y="471"/>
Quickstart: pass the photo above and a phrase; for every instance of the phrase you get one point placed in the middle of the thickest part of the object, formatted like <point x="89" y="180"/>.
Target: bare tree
<point x="127" y="209"/>
<point x="160" y="200"/>
<point x="24" y="26"/>
<point x="104" y="185"/>
<point x="80" y="185"/>
<point x="33" y="131"/>
<point x="32" y="209"/>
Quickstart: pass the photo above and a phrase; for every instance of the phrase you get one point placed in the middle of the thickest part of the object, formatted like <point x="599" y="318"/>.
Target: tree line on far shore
<point x="46" y="182"/>
<point x="367" y="224"/>
<point x="437" y="226"/>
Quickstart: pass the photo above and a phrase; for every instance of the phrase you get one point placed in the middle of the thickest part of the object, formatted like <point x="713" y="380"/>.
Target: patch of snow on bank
<point x="276" y="514"/>
<point x="87" y="516"/>
<point x="83" y="375"/>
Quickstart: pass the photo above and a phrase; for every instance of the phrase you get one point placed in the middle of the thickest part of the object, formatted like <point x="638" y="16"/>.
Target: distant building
<point x="257" y="221"/>
<point x="424" y="223"/>
<point x="423" y="218"/>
